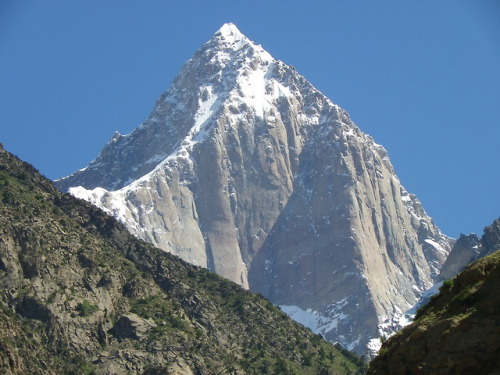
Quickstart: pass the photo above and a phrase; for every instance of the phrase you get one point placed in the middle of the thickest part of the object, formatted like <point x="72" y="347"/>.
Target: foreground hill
<point x="80" y="295"/>
<point x="458" y="331"/>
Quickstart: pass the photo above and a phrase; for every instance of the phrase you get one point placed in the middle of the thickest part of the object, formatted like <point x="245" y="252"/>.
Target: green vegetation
<point x="447" y="284"/>
<point x="164" y="312"/>
<point x="85" y="308"/>
<point x="80" y="367"/>
<point x="52" y="297"/>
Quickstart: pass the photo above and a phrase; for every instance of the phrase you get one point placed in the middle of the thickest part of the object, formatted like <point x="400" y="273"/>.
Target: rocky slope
<point x="80" y="295"/>
<point x="464" y="251"/>
<point x="244" y="168"/>
<point x="469" y="248"/>
<point x="458" y="331"/>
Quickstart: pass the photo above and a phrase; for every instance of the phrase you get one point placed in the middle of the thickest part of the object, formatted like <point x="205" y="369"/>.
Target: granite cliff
<point x="246" y="169"/>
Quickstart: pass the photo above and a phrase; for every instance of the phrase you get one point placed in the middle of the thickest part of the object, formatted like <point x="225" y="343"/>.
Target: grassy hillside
<point x="82" y="296"/>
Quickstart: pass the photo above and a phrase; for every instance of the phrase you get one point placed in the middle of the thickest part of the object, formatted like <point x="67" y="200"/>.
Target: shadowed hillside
<point x="80" y="295"/>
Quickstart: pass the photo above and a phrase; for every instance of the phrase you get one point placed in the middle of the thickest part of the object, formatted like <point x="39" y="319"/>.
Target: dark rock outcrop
<point x="132" y="326"/>
<point x="464" y="251"/>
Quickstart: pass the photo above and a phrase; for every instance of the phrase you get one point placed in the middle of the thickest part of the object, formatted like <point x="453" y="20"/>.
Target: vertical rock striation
<point x="245" y="168"/>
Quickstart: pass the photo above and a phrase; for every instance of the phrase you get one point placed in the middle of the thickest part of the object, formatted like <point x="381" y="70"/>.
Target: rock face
<point x="132" y="326"/>
<point x="244" y="168"/>
<point x="81" y="295"/>
<point x="490" y="240"/>
<point x="469" y="248"/>
<point x="465" y="250"/>
<point x="457" y="332"/>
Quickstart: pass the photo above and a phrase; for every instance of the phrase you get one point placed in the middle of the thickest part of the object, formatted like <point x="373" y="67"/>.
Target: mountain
<point x="81" y="295"/>
<point x="458" y="331"/>
<point x="243" y="167"/>
<point x="469" y="248"/>
<point x="465" y="250"/>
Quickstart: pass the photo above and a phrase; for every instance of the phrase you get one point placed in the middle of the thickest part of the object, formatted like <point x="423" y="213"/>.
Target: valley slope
<point x="80" y="295"/>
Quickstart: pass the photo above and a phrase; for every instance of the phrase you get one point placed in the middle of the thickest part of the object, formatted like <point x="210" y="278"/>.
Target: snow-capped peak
<point x="229" y="37"/>
<point x="229" y="31"/>
<point x="239" y="153"/>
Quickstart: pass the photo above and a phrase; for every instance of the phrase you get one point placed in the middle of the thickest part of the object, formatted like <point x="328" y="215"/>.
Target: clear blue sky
<point x="421" y="76"/>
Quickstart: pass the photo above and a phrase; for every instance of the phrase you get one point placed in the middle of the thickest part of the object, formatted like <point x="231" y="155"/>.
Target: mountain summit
<point x="230" y="33"/>
<point x="243" y="167"/>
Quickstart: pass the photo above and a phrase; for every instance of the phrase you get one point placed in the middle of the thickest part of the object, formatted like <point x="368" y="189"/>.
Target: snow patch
<point x="313" y="320"/>
<point x="374" y="346"/>
<point x="436" y="246"/>
<point x="230" y="33"/>
<point x="113" y="203"/>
